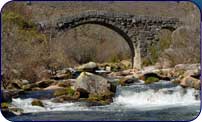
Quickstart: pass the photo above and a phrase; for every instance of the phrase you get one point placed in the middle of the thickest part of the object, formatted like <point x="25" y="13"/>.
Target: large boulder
<point x="190" y="82"/>
<point x="88" y="67"/>
<point x="94" y="84"/>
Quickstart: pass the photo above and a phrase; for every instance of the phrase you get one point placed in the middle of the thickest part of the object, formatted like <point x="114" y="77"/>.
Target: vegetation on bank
<point x="28" y="50"/>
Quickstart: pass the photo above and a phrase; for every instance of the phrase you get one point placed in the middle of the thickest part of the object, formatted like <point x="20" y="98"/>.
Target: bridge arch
<point x="112" y="27"/>
<point x="138" y="31"/>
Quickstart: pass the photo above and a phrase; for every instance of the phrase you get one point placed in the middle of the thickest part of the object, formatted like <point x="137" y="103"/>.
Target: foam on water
<point x="128" y="98"/>
<point x="27" y="107"/>
<point x="166" y="97"/>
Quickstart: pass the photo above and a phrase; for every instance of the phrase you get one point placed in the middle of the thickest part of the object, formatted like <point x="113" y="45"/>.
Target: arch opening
<point x="111" y="27"/>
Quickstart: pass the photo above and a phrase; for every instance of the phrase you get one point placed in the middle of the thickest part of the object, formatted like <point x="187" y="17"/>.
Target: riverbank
<point x="106" y="88"/>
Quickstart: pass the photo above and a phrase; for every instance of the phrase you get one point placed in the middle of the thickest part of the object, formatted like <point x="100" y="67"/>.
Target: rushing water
<point x="158" y="101"/>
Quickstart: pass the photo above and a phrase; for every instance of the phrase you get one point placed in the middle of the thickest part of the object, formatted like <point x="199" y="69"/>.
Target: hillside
<point x="25" y="47"/>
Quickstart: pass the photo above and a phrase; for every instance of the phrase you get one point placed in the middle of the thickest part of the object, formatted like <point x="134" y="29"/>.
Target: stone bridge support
<point x="138" y="31"/>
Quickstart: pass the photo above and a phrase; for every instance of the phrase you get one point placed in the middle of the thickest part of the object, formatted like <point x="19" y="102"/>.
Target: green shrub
<point x="151" y="80"/>
<point x="70" y="91"/>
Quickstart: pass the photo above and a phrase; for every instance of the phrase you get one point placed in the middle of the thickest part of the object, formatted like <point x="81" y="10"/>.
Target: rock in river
<point x="37" y="102"/>
<point x="190" y="82"/>
<point x="88" y="67"/>
<point x="94" y="84"/>
<point x="126" y="81"/>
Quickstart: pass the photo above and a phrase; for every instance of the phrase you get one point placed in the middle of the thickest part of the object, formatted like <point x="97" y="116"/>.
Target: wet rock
<point x="128" y="81"/>
<point x="37" y="102"/>
<point x="102" y="99"/>
<point x="113" y="86"/>
<point x="190" y="82"/>
<point x="95" y="87"/>
<point x="16" y="111"/>
<point x="94" y="84"/>
<point x="82" y="93"/>
<point x="52" y="87"/>
<point x="64" y="91"/>
<point x="197" y="94"/>
<point x="4" y="105"/>
<point x="67" y="94"/>
<point x="193" y="73"/>
<point x="63" y="98"/>
<point x="88" y="67"/>
<point x="7" y="96"/>
<point x="169" y="72"/>
<point x="44" y="83"/>
<point x="27" y="87"/>
<point x="60" y="92"/>
<point x="11" y="111"/>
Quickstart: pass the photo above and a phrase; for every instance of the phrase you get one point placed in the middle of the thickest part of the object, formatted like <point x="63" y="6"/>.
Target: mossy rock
<point x="28" y="87"/>
<point x="100" y="99"/>
<point x="60" y="92"/>
<point x="150" y="80"/>
<point x="64" y="84"/>
<point x="70" y="91"/>
<point x="103" y="98"/>
<point x="4" y="105"/>
<point x="37" y="103"/>
<point x="66" y="91"/>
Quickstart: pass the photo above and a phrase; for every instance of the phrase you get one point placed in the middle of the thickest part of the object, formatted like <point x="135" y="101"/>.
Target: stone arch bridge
<point x="138" y="31"/>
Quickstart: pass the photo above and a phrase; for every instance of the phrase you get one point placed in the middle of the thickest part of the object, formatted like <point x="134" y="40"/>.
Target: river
<point x="159" y="101"/>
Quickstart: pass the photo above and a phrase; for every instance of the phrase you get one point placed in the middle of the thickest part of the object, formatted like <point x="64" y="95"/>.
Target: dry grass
<point x="28" y="50"/>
